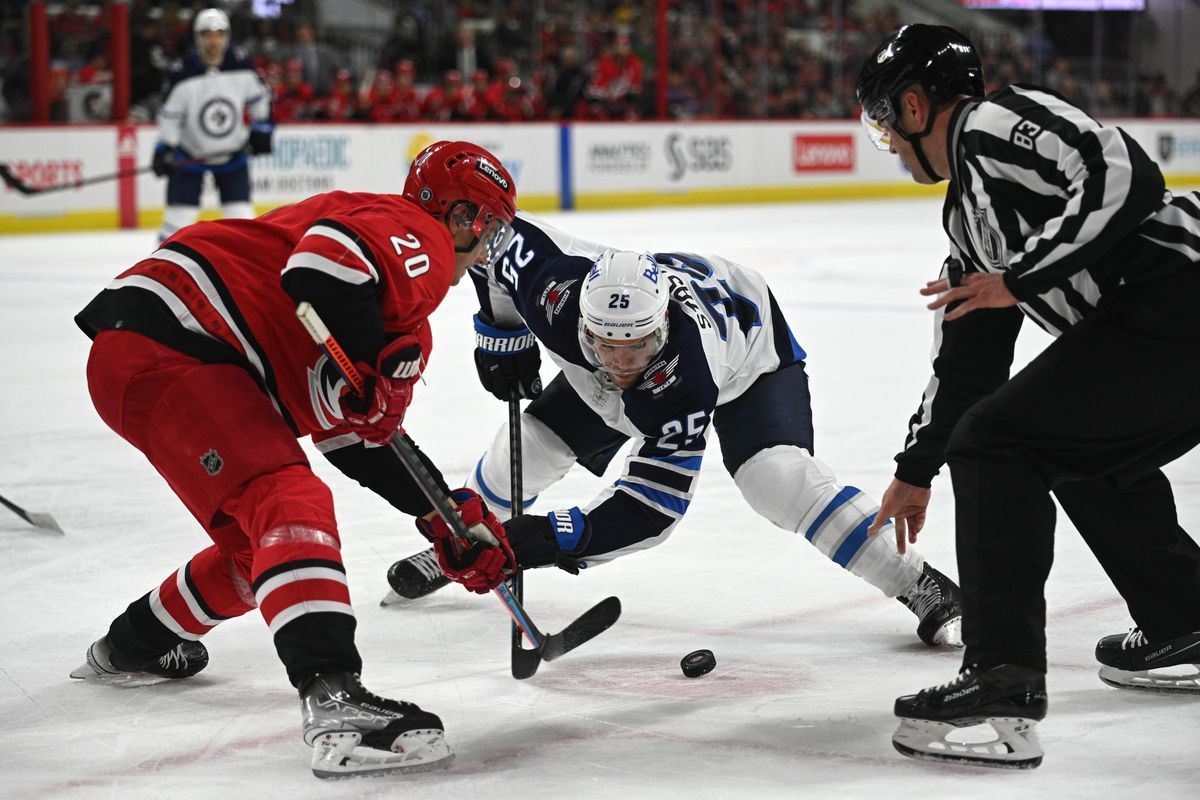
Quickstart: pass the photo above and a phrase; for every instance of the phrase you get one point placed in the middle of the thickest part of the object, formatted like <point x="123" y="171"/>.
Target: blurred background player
<point x="1052" y="216"/>
<point x="200" y="362"/>
<point x="663" y="349"/>
<point x="216" y="107"/>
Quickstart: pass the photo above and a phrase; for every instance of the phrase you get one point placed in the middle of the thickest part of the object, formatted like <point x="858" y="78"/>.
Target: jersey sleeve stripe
<point x="348" y="239"/>
<point x="650" y="473"/>
<point x="656" y="499"/>
<point x="314" y="261"/>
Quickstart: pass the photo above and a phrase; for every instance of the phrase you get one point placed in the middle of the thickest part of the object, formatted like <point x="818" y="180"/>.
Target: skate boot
<point x="354" y="732"/>
<point x="937" y="602"/>
<point x="107" y="665"/>
<point x="414" y="577"/>
<point x="951" y="722"/>
<point x="1130" y="661"/>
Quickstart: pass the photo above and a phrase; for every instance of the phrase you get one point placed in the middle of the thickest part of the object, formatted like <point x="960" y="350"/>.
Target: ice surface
<point x="809" y="659"/>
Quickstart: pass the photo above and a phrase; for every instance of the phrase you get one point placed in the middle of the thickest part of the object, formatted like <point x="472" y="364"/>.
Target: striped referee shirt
<point x="1069" y="211"/>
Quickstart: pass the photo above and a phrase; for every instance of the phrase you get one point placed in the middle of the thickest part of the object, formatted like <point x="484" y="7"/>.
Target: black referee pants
<point x="1091" y="419"/>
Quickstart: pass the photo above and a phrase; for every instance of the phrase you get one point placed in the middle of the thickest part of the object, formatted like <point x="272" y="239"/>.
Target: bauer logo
<point x="823" y="153"/>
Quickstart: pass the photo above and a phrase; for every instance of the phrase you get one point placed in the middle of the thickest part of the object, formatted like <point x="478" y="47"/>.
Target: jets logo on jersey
<point x="660" y="375"/>
<point x="554" y="297"/>
<point x="218" y="117"/>
<point x="325" y="385"/>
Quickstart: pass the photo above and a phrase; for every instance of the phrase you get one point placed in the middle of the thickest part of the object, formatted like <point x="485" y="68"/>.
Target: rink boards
<point x="569" y="166"/>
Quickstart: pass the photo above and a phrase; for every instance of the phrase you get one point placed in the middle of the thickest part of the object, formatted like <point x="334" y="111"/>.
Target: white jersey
<point x="724" y="332"/>
<point x="206" y="108"/>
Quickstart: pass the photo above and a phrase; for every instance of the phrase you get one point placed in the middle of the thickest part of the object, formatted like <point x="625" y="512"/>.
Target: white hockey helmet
<point x="623" y="302"/>
<point x="210" y="19"/>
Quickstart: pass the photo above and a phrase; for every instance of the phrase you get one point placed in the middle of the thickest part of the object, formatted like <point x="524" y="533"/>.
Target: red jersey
<point x="215" y="291"/>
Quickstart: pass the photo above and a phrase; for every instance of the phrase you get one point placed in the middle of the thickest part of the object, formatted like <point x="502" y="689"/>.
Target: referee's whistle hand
<point x="978" y="290"/>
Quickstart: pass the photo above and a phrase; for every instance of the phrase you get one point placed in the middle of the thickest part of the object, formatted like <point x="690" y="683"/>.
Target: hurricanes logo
<point x="218" y="117"/>
<point x="325" y="386"/>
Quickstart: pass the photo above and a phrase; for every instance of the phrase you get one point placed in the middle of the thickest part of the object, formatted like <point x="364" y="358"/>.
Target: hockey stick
<point x="24" y="188"/>
<point x="516" y="583"/>
<point x="594" y="621"/>
<point x="34" y="518"/>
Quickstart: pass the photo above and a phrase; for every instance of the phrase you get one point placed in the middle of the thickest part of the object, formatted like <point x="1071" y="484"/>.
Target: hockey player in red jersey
<point x="199" y="361"/>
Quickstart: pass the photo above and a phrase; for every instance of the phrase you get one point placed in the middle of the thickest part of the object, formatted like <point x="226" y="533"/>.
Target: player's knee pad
<point x="545" y="458"/>
<point x="282" y="506"/>
<point x="785" y="484"/>
<point x="176" y="217"/>
<point x="237" y="210"/>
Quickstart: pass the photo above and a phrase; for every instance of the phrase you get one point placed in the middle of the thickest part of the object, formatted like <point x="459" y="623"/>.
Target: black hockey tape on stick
<point x="516" y="584"/>
<point x="594" y="621"/>
<point x="35" y="518"/>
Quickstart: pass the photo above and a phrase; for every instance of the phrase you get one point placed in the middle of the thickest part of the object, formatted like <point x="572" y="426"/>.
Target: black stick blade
<point x="14" y="182"/>
<point x="525" y="662"/>
<point x="594" y="622"/>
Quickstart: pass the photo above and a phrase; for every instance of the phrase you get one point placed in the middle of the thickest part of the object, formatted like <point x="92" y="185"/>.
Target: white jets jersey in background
<point x="206" y="108"/>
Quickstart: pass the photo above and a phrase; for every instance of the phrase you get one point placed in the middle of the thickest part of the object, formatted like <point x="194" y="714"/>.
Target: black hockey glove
<point x="540" y="540"/>
<point x="260" y="138"/>
<point x="508" y="362"/>
<point x="165" y="160"/>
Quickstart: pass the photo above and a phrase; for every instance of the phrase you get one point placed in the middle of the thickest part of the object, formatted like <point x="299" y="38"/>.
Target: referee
<point x="1053" y="217"/>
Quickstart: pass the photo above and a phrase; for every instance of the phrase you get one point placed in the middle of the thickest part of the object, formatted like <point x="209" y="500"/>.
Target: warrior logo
<point x="660" y="375"/>
<point x="554" y="297"/>
<point x="217" y="117"/>
<point x="988" y="239"/>
<point x="325" y="386"/>
<point x="212" y="462"/>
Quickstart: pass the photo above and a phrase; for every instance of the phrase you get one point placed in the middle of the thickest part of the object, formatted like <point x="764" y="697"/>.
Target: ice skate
<point x="982" y="718"/>
<point x="354" y="732"/>
<point x="937" y="602"/>
<point x="414" y="577"/>
<point x="1131" y="661"/>
<point x="104" y="664"/>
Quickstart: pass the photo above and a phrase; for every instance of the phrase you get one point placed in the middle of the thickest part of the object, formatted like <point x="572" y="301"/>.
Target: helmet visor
<point x="879" y="135"/>
<point x="496" y="237"/>
<point x="621" y="358"/>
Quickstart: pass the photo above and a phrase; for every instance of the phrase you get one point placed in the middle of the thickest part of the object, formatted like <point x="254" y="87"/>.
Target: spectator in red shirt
<point x="443" y="102"/>
<point x="342" y="102"/>
<point x="293" y="100"/>
<point x="408" y="102"/>
<point x="383" y="100"/>
<point x="617" y="80"/>
<point x="474" y="103"/>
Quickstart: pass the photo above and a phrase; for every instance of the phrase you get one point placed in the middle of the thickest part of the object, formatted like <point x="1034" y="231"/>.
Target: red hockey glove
<point x="387" y="391"/>
<point x="480" y="564"/>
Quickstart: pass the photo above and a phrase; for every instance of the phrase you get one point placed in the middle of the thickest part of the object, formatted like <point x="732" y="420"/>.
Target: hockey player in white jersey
<point x="663" y="349"/>
<point x="203" y="127"/>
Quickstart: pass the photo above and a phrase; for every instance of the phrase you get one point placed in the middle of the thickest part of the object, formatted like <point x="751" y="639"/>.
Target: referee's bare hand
<point x="907" y="504"/>
<point x="978" y="290"/>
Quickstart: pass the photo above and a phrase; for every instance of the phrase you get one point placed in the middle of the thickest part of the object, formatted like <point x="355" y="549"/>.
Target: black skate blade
<point x="921" y="755"/>
<point x="593" y="622"/>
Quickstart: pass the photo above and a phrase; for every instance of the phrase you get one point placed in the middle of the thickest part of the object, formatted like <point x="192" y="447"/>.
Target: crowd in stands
<point x="581" y="59"/>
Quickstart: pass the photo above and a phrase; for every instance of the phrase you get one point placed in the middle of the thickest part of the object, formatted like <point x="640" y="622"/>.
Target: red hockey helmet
<point x="460" y="180"/>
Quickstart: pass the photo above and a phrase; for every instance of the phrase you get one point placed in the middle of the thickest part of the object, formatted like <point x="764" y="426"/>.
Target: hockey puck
<point x="701" y="662"/>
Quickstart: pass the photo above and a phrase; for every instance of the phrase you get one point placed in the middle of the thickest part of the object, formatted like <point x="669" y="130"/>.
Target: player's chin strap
<point x="915" y="140"/>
